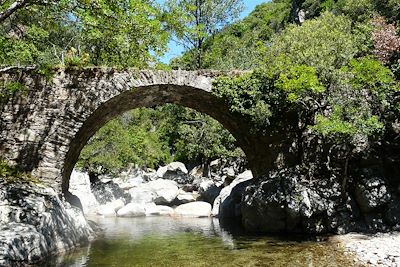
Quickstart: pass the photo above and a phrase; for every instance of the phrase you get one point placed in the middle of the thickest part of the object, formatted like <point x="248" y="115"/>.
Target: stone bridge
<point x="44" y="128"/>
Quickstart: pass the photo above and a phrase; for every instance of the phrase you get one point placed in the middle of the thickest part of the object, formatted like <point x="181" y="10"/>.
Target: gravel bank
<point x="373" y="250"/>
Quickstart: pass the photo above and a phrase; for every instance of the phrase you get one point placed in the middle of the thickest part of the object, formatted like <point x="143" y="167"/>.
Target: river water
<point x="166" y="241"/>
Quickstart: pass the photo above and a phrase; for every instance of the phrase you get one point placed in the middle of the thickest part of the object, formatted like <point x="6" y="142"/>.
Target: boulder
<point x="35" y="223"/>
<point x="227" y="204"/>
<point x="184" y="197"/>
<point x="209" y="190"/>
<point x="165" y="190"/>
<point x="79" y="185"/>
<point x="142" y="194"/>
<point x="392" y="216"/>
<point x="172" y="167"/>
<point x="284" y="202"/>
<point x="132" y="210"/>
<point x="159" y="210"/>
<point x="194" y="209"/>
<point x="110" y="209"/>
<point x="175" y="171"/>
<point x="107" y="191"/>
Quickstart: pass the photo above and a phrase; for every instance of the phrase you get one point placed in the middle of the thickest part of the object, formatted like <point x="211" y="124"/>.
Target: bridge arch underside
<point x="155" y="95"/>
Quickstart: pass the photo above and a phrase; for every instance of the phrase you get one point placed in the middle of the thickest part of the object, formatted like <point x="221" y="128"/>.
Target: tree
<point x="151" y="137"/>
<point x="122" y="33"/>
<point x="200" y="19"/>
<point x="80" y="32"/>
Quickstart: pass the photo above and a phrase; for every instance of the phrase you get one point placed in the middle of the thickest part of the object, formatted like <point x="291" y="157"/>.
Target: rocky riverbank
<point x="381" y="249"/>
<point x="35" y="223"/>
<point x="169" y="191"/>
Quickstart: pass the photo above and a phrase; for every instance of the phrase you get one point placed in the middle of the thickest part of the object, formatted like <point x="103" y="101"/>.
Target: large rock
<point x="175" y="171"/>
<point x="172" y="167"/>
<point x="284" y="202"/>
<point x="165" y="190"/>
<point x="392" y="216"/>
<point x="209" y="190"/>
<point x="194" y="209"/>
<point x="227" y="204"/>
<point x="110" y="209"/>
<point x="159" y="210"/>
<point x="107" y="191"/>
<point x="35" y="223"/>
<point x="142" y="194"/>
<point x="184" y="197"/>
<point x="79" y="185"/>
<point x="132" y="210"/>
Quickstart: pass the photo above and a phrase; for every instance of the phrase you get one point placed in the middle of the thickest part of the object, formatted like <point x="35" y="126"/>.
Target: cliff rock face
<point x="35" y="223"/>
<point x="287" y="200"/>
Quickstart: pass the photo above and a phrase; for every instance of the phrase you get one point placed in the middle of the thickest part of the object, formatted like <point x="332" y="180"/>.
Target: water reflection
<point x="165" y="241"/>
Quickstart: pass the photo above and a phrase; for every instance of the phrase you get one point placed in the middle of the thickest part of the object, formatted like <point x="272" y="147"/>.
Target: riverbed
<point x="168" y="241"/>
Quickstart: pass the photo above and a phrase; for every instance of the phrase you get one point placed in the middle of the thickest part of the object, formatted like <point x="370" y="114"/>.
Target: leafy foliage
<point x="200" y="19"/>
<point x="236" y="46"/>
<point x="314" y="70"/>
<point x="81" y="33"/>
<point x="151" y="137"/>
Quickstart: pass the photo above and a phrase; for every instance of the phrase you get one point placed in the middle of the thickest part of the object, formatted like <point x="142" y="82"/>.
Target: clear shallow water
<point x="165" y="241"/>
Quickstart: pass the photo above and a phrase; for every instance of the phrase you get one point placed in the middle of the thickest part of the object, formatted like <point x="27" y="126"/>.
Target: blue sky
<point x="176" y="50"/>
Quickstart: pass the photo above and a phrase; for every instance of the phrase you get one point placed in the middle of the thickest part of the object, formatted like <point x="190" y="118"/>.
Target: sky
<point x="175" y="49"/>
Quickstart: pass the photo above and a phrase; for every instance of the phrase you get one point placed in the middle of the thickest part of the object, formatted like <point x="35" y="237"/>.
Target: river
<point x="167" y="241"/>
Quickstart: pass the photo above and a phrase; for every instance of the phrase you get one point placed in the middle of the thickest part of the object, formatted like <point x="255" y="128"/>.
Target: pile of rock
<point x="171" y="191"/>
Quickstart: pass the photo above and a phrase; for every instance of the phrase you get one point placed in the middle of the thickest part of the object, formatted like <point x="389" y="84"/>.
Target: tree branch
<point x="13" y="8"/>
<point x="13" y="68"/>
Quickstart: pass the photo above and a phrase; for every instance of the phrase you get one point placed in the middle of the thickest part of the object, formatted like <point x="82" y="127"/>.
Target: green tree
<point x="315" y="70"/>
<point x="199" y="19"/>
<point x="152" y="137"/>
<point x="78" y="32"/>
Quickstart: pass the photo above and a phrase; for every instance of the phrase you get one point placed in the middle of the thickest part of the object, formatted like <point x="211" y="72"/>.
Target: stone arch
<point x="150" y="96"/>
<point x="44" y="130"/>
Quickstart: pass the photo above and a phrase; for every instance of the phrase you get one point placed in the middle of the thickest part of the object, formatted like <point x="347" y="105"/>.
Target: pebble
<point x="374" y="250"/>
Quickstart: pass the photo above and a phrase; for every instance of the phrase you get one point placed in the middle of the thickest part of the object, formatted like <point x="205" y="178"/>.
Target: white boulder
<point x="110" y="209"/>
<point x="159" y="210"/>
<point x="132" y="210"/>
<point x="165" y="190"/>
<point x="142" y="194"/>
<point x="173" y="166"/>
<point x="194" y="209"/>
<point x="79" y="185"/>
<point x="185" y="197"/>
